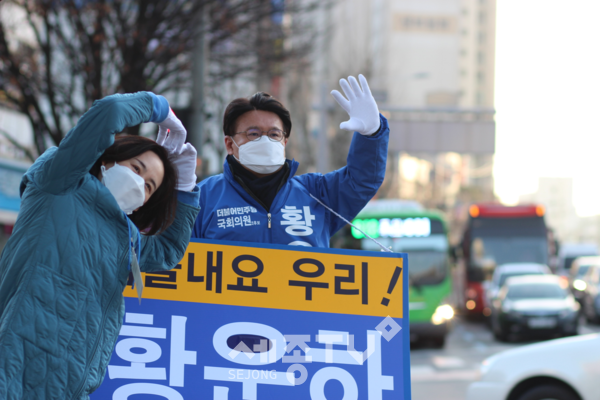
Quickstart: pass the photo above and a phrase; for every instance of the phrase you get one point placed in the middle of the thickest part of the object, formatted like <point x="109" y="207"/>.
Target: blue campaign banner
<point x="169" y="349"/>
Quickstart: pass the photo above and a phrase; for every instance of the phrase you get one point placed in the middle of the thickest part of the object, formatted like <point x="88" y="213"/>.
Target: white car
<point x="561" y="369"/>
<point x="505" y="271"/>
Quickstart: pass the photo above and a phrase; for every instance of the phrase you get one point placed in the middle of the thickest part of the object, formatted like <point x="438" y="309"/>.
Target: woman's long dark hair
<point x="159" y="211"/>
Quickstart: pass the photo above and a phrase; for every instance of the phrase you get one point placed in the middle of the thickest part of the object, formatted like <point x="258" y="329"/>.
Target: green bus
<point x="405" y="226"/>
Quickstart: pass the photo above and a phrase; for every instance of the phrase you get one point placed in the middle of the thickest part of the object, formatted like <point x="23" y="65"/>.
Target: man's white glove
<point x="171" y="136"/>
<point x="360" y="106"/>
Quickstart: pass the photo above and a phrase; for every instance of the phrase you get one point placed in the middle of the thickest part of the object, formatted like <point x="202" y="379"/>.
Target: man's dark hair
<point x="259" y="101"/>
<point x="159" y="211"/>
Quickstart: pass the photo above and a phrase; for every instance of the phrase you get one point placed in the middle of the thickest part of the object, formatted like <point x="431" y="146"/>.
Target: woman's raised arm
<point x="94" y="133"/>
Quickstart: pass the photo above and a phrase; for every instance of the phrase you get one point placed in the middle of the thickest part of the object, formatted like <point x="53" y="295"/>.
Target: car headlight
<point x="442" y="313"/>
<point x="579" y="285"/>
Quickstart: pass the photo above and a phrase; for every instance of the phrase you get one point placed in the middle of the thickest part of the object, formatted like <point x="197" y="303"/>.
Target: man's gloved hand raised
<point x="360" y="106"/>
<point x="171" y="136"/>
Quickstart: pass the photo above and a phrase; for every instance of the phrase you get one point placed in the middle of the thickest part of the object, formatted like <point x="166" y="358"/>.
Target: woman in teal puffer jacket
<point x="63" y="271"/>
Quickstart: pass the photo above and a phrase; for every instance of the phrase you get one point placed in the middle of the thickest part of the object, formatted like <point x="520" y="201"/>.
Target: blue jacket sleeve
<point x="350" y="188"/>
<point x="94" y="132"/>
<point x="197" y="230"/>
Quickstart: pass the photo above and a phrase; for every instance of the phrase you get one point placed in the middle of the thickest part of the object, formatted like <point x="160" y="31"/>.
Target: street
<point x="249" y="199"/>
<point x="446" y="373"/>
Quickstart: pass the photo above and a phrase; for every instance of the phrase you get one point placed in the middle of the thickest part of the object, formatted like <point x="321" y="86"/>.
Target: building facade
<point x="16" y="152"/>
<point x="430" y="66"/>
<point x="556" y="194"/>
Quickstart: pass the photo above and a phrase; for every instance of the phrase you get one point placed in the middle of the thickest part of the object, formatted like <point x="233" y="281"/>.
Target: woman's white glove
<point x="171" y="136"/>
<point x="360" y="106"/>
<point x="185" y="164"/>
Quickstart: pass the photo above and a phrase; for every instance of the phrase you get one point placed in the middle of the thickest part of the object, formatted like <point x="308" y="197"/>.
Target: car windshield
<point x="503" y="250"/>
<point x="428" y="256"/>
<point x="427" y="267"/>
<point x="507" y="275"/>
<point x="536" y="291"/>
<point x="582" y="270"/>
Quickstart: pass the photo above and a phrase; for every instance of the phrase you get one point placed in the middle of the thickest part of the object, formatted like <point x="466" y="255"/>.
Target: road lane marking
<point x="448" y="362"/>
<point x="426" y="373"/>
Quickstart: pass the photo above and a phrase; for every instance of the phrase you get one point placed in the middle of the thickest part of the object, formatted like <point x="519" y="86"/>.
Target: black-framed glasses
<point x="274" y="135"/>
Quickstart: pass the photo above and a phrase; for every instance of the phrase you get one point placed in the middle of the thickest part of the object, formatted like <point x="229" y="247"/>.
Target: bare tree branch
<point x="83" y="50"/>
<point x="19" y="146"/>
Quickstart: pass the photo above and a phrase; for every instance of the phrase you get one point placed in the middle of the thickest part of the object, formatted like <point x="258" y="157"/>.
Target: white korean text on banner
<point x="259" y="322"/>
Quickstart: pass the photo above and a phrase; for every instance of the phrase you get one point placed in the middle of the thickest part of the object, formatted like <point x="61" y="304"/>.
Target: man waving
<point x="258" y="199"/>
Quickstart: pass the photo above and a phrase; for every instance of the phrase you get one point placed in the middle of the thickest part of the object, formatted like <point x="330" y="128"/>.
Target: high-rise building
<point x="430" y="65"/>
<point x="556" y="194"/>
<point x="477" y="53"/>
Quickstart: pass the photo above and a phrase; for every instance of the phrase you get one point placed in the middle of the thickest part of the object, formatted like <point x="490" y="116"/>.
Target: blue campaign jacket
<point x="64" y="268"/>
<point x="228" y="212"/>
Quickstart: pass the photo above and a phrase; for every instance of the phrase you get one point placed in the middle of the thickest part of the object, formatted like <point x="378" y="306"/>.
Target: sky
<point x="547" y="98"/>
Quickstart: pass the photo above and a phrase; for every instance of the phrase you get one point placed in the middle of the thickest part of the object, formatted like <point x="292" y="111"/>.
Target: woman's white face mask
<point x="126" y="186"/>
<point x="262" y="156"/>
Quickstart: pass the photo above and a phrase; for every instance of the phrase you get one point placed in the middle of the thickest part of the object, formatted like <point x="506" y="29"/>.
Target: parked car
<point x="561" y="369"/>
<point x="590" y="296"/>
<point x="509" y="270"/>
<point x="568" y="252"/>
<point x="577" y="274"/>
<point x="534" y="304"/>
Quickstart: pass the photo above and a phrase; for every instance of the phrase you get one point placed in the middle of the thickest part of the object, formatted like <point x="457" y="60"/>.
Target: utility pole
<point x="323" y="140"/>
<point x="323" y="106"/>
<point x="200" y="55"/>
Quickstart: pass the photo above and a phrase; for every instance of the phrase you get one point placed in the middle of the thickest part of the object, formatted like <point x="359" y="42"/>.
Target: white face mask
<point x="126" y="186"/>
<point x="263" y="156"/>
